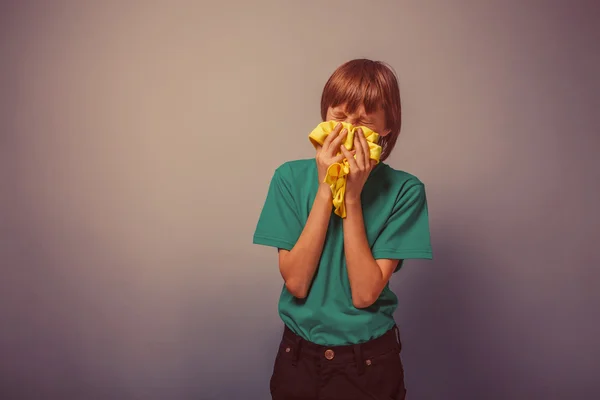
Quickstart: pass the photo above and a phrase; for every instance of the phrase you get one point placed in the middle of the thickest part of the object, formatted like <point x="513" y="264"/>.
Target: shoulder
<point x="403" y="185"/>
<point x="398" y="178"/>
<point x="291" y="171"/>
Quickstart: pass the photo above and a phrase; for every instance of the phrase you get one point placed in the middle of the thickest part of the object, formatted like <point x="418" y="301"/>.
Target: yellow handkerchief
<point x="337" y="173"/>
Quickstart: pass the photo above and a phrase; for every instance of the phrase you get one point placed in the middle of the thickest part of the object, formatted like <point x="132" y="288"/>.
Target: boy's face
<point x="374" y="121"/>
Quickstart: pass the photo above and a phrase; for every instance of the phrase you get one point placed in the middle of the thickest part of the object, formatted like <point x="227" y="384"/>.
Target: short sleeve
<point x="279" y="224"/>
<point x="406" y="233"/>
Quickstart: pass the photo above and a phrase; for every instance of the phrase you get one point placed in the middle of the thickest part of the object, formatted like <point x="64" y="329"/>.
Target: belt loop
<point x="360" y="363"/>
<point x="297" y="348"/>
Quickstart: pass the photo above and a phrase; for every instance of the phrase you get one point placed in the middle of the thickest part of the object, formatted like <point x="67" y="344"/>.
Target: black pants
<point x="367" y="371"/>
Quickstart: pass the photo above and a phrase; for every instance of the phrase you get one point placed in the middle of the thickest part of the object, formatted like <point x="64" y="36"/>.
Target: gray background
<point x="138" y="140"/>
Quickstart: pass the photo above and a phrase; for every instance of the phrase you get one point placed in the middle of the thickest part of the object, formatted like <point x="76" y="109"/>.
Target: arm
<point x="367" y="276"/>
<point x="406" y="234"/>
<point x="298" y="265"/>
<point x="300" y="242"/>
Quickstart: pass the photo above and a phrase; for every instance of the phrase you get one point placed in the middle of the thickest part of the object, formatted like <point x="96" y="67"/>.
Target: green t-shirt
<point x="397" y="227"/>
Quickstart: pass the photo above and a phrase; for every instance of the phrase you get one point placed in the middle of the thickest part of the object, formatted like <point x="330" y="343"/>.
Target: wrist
<point x="353" y="209"/>
<point x="324" y="192"/>
<point x="352" y="202"/>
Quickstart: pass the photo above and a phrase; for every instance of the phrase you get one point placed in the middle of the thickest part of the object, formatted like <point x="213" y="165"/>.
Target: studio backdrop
<point x="137" y="141"/>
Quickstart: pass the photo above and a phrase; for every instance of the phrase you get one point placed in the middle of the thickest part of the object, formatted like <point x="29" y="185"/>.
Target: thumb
<point x="337" y="158"/>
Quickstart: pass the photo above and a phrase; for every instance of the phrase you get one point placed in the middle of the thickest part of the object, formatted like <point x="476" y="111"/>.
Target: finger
<point x="360" y="158"/>
<point x="335" y="144"/>
<point x="365" y="146"/>
<point x="332" y="135"/>
<point x="337" y="159"/>
<point x="338" y="127"/>
<point x="364" y="158"/>
<point x="350" y="157"/>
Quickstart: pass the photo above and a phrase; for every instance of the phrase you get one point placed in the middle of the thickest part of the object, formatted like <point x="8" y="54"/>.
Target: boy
<point x="340" y="339"/>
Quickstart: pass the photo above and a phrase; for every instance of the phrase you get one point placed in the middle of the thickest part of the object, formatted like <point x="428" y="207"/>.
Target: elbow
<point x="363" y="300"/>
<point x="293" y="284"/>
<point x="296" y="289"/>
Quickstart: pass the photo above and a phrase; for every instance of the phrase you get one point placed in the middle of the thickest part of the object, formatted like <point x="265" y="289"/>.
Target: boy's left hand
<point x="360" y="167"/>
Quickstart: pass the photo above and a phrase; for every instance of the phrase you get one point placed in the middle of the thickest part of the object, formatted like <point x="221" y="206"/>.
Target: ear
<point x="385" y="132"/>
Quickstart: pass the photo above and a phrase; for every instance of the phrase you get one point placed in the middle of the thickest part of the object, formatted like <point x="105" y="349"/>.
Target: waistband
<point x="359" y="353"/>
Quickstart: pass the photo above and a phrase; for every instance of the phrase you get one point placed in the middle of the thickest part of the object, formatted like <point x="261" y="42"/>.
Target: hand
<point x="360" y="167"/>
<point x="329" y="153"/>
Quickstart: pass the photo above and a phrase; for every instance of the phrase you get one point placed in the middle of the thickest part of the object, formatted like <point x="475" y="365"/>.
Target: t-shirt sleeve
<point x="279" y="224"/>
<point x="406" y="234"/>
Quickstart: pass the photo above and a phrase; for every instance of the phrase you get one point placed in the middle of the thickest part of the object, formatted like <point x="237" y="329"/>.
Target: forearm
<point x="298" y="266"/>
<point x="364" y="273"/>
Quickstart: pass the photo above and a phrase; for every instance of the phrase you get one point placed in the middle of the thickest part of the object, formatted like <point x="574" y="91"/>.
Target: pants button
<point x="329" y="354"/>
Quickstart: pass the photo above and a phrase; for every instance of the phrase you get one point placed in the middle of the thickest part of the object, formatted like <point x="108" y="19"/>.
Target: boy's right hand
<point x="330" y="153"/>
